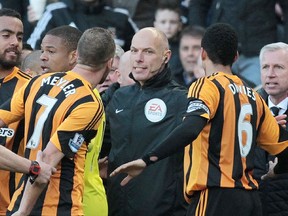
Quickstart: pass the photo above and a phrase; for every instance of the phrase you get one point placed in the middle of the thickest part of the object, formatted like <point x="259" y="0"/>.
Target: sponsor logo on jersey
<point x="76" y="142"/>
<point x="155" y="110"/>
<point x="6" y="132"/>
<point x="197" y="105"/>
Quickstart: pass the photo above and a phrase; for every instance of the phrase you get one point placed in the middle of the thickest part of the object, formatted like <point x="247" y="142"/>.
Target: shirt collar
<point x="282" y="105"/>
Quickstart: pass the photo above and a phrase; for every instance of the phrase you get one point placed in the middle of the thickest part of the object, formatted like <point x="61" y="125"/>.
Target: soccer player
<point x="61" y="117"/>
<point x="59" y="54"/>
<point x="224" y="121"/>
<point x="11" y="79"/>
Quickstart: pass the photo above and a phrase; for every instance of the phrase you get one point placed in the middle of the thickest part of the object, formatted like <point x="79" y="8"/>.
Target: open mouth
<point x="45" y="69"/>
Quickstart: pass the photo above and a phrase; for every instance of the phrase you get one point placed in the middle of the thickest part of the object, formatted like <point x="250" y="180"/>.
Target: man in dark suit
<point x="274" y="76"/>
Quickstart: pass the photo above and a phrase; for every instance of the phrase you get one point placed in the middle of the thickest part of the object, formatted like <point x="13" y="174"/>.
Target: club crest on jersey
<point x="6" y="132"/>
<point x="76" y="142"/>
<point x="155" y="110"/>
<point x="197" y="105"/>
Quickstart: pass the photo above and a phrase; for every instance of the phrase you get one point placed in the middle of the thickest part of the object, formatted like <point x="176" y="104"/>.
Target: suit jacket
<point x="274" y="191"/>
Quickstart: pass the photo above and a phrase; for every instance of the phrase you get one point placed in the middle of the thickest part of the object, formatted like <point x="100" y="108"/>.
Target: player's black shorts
<point x="225" y="202"/>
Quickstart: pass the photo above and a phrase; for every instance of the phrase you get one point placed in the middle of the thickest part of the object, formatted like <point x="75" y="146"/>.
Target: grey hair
<point x="273" y="47"/>
<point x="118" y="51"/>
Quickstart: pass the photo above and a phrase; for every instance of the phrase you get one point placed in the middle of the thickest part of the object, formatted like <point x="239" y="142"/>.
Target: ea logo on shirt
<point x="6" y="132"/>
<point x="155" y="110"/>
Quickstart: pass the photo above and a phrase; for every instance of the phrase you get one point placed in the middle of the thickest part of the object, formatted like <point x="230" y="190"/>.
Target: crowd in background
<point x="257" y="23"/>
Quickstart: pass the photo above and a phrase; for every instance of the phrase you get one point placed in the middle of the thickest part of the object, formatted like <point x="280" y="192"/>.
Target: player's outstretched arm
<point x="132" y="168"/>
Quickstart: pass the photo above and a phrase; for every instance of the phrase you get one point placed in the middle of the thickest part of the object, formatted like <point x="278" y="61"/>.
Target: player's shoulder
<point x="22" y="75"/>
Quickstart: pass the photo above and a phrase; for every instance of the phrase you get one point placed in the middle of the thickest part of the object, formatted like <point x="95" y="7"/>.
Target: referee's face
<point x="147" y="55"/>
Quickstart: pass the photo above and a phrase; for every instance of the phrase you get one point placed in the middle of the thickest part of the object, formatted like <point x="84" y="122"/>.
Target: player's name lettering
<point x="62" y="83"/>
<point x="242" y="90"/>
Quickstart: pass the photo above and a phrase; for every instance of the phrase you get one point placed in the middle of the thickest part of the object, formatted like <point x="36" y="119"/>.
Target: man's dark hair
<point x="68" y="34"/>
<point x="96" y="47"/>
<point x="220" y="42"/>
<point x="169" y="5"/>
<point x="193" y="31"/>
<point x="10" y="13"/>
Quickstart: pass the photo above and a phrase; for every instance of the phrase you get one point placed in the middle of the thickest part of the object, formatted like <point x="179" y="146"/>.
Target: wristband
<point x="34" y="171"/>
<point x="147" y="160"/>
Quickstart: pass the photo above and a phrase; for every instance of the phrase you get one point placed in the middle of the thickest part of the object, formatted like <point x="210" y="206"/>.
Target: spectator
<point x="63" y="105"/>
<point x="112" y="76"/>
<point x="168" y="20"/>
<point x="138" y="113"/>
<point x="84" y="14"/>
<point x="255" y="22"/>
<point x="219" y="169"/>
<point x="124" y="70"/>
<point x="190" y="50"/>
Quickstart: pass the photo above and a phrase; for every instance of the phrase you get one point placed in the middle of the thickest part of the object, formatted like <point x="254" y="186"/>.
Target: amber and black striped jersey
<point x="237" y="119"/>
<point x="9" y="180"/>
<point x="60" y="108"/>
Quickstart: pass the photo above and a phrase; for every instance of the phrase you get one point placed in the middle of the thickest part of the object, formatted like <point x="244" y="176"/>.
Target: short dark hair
<point x="95" y="47"/>
<point x="167" y="5"/>
<point x="193" y="31"/>
<point x="70" y="36"/>
<point x="10" y="13"/>
<point x="220" y="41"/>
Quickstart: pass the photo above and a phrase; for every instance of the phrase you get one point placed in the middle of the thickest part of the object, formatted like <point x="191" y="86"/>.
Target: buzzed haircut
<point x="10" y="13"/>
<point x="70" y="36"/>
<point x="193" y="31"/>
<point x="96" y="47"/>
<point x="31" y="60"/>
<point x="220" y="42"/>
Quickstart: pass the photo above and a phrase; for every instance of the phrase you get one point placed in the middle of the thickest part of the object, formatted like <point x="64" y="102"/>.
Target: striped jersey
<point x="60" y="108"/>
<point x="9" y="180"/>
<point x="223" y="153"/>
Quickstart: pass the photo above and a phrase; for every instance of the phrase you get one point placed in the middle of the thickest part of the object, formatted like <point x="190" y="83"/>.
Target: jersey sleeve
<point x="203" y="99"/>
<point x="13" y="109"/>
<point x="78" y="128"/>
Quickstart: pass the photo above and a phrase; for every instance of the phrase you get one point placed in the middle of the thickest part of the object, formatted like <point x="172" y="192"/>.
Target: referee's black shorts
<point x="225" y="202"/>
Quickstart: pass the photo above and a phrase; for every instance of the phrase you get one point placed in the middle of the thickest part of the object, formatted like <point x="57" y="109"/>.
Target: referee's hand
<point x="132" y="168"/>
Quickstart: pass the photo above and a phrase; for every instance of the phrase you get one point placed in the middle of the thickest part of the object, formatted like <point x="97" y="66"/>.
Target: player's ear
<point x="203" y="54"/>
<point x="236" y="56"/>
<point x="73" y="57"/>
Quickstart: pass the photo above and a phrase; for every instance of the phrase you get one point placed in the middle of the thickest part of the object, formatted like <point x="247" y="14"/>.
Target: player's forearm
<point x="178" y="139"/>
<point x="30" y="196"/>
<point x="12" y="162"/>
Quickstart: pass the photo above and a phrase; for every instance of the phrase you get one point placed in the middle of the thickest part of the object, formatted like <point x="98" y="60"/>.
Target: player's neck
<point x="5" y="72"/>
<point x="219" y="68"/>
